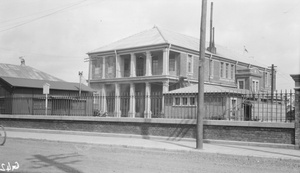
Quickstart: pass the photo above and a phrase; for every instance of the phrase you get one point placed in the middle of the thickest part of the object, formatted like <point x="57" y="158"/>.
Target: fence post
<point x="296" y="78"/>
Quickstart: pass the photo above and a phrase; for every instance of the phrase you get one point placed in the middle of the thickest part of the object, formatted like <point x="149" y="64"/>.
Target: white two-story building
<point x="130" y="73"/>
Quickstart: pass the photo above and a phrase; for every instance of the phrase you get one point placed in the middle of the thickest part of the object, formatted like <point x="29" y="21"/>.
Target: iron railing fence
<point x="264" y="107"/>
<point x="56" y="105"/>
<point x="234" y="106"/>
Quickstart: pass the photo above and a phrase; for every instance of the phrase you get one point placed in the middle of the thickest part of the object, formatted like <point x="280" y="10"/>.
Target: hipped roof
<point x="158" y="36"/>
<point x="193" y="89"/>
<point x="55" y="85"/>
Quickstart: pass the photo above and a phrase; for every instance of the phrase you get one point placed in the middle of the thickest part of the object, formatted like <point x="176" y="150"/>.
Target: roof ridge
<point x="121" y="39"/>
<point x="180" y="33"/>
<point x="161" y="34"/>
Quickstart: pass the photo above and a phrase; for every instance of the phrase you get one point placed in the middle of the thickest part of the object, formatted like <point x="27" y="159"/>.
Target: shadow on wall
<point x="172" y="131"/>
<point x="182" y="130"/>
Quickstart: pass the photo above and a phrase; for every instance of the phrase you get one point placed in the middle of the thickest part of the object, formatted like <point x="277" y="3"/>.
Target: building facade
<point x="154" y="61"/>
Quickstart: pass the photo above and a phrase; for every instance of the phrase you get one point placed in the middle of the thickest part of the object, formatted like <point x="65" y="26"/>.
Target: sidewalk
<point x="160" y="143"/>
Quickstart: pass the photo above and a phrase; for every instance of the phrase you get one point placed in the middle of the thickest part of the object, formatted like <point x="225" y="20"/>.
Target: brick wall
<point x="280" y="133"/>
<point x="250" y="134"/>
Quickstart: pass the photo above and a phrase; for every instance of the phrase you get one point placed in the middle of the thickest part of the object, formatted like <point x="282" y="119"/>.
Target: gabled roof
<point x="158" y="36"/>
<point x="22" y="71"/>
<point x="34" y="83"/>
<point x="193" y="89"/>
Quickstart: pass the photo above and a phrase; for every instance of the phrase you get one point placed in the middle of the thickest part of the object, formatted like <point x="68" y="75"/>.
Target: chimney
<point x="212" y="47"/>
<point x="22" y="61"/>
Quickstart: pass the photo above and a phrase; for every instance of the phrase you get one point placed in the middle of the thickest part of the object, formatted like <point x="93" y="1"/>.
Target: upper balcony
<point x="149" y="63"/>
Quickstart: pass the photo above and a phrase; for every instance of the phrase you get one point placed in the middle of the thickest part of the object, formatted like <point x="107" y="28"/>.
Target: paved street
<point x="57" y="151"/>
<point x="51" y="156"/>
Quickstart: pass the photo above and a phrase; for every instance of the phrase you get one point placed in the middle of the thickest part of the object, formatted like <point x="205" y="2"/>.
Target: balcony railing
<point x="140" y="72"/>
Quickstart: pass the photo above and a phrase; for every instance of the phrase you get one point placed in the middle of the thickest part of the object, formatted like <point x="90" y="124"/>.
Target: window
<point x="241" y="84"/>
<point x="155" y="69"/>
<point x="233" y="107"/>
<point x="232" y="71"/>
<point x="184" y="101"/>
<point x="190" y="64"/>
<point x="266" y="79"/>
<point x="221" y="69"/>
<point x="126" y="67"/>
<point x="226" y="71"/>
<point x="177" y="101"/>
<point x="192" y="100"/>
<point x="98" y="65"/>
<point x="255" y="85"/>
<point x="172" y="63"/>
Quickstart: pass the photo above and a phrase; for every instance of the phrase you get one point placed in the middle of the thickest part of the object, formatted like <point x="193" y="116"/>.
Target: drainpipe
<point x="235" y="71"/>
<point x="210" y="66"/>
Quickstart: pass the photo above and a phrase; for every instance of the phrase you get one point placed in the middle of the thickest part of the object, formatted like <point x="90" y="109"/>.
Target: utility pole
<point x="200" y="107"/>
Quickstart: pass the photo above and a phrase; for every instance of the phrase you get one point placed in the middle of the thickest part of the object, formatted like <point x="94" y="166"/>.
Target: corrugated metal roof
<point x="156" y="36"/>
<point x="208" y="89"/>
<point x="145" y="38"/>
<point x="34" y="83"/>
<point x="22" y="71"/>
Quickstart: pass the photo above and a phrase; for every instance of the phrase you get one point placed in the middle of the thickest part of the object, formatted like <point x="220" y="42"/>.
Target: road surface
<point x="49" y="156"/>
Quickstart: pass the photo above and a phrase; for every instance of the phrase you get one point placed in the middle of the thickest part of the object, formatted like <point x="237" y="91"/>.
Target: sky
<point x="54" y="35"/>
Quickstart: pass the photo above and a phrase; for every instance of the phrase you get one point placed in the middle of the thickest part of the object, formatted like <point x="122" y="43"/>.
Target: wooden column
<point x="132" y="65"/>
<point x="166" y="62"/>
<point x="148" y="64"/>
<point x="118" y="67"/>
<point x="147" y="112"/>
<point x="117" y="100"/>
<point x="132" y="100"/>
<point x="103" y="98"/>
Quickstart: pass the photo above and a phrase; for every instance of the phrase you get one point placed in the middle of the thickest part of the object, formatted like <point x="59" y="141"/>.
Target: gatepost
<point x="46" y="88"/>
<point x="296" y="78"/>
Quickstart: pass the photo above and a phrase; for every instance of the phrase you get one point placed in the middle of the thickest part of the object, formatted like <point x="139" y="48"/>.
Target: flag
<point x="83" y="81"/>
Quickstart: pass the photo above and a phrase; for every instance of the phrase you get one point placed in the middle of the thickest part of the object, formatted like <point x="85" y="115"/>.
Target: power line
<point x="42" y="54"/>
<point x="60" y="10"/>
<point x="32" y="14"/>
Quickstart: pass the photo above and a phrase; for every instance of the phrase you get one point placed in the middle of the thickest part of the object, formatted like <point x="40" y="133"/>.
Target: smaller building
<point x="225" y="103"/>
<point x="221" y="103"/>
<point x="21" y="92"/>
<point x="25" y="96"/>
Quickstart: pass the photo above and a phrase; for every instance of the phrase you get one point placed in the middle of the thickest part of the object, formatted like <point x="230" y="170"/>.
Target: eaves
<point x="139" y="79"/>
<point x="130" y="50"/>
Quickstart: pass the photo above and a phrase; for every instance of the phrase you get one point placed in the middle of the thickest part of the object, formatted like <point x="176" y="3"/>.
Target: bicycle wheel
<point x="2" y="135"/>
